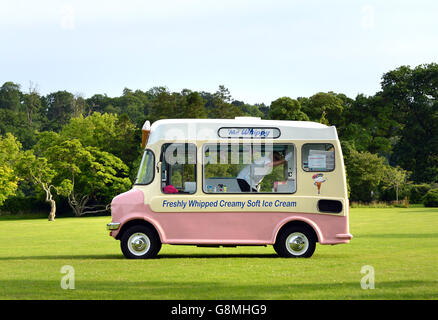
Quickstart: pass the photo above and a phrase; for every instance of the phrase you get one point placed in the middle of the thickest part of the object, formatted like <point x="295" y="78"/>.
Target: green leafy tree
<point x="250" y="110"/>
<point x="413" y="95"/>
<point x="91" y="175"/>
<point x="10" y="96"/>
<point x="287" y="109"/>
<point x="135" y="105"/>
<point x="107" y="132"/>
<point x="98" y="103"/>
<point x="395" y="178"/>
<point x="39" y="171"/>
<point x="264" y="109"/>
<point x="163" y="104"/>
<point x="192" y="105"/>
<point x="60" y="109"/>
<point x="324" y="106"/>
<point x="46" y="139"/>
<point x="417" y="192"/>
<point x="32" y="104"/>
<point x="18" y="112"/>
<point x="8" y="183"/>
<point x="370" y="124"/>
<point x="9" y="153"/>
<point x="79" y="106"/>
<point x="222" y="108"/>
<point x="430" y="199"/>
<point x="365" y="171"/>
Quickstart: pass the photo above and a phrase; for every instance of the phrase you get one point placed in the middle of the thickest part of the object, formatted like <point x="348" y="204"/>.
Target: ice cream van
<point x="235" y="182"/>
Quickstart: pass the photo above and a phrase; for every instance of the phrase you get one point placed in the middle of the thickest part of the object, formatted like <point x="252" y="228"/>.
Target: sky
<point x="259" y="49"/>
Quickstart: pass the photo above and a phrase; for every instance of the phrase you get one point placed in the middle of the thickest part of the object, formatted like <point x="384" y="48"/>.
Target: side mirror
<point x="158" y="166"/>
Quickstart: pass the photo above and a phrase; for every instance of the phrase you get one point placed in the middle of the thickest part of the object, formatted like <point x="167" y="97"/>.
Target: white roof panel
<point x="207" y="129"/>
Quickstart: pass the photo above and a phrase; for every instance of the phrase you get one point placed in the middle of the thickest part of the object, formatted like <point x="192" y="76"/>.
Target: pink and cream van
<point x="235" y="182"/>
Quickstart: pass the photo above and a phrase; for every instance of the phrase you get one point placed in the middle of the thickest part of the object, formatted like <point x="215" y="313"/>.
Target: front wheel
<point x="295" y="242"/>
<point x="140" y="242"/>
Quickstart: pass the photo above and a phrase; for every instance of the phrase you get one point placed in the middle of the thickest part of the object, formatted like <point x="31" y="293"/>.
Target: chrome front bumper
<point x="113" y="225"/>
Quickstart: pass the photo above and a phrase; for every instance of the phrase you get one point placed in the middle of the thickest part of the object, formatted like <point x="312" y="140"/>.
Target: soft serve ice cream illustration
<point x="318" y="180"/>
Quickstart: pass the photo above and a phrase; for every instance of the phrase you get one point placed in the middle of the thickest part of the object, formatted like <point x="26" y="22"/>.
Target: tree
<point x="20" y="113"/>
<point x="92" y="176"/>
<point x="263" y="109"/>
<point x="60" y="108"/>
<point x="222" y="108"/>
<point x="32" y="103"/>
<point x="251" y="110"/>
<point x="9" y="152"/>
<point x="365" y="172"/>
<point x="430" y="199"/>
<point x="135" y="105"/>
<point x="79" y="105"/>
<point x="413" y="95"/>
<point x="10" y="96"/>
<point x="40" y="172"/>
<point x="370" y="123"/>
<point x="326" y="106"/>
<point x="192" y="105"/>
<point x="287" y="109"/>
<point x="107" y="132"/>
<point x="97" y="103"/>
<point x="394" y="178"/>
<point x="163" y="104"/>
<point x="46" y="139"/>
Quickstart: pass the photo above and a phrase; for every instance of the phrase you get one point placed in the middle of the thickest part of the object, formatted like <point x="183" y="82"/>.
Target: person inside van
<point x="261" y="167"/>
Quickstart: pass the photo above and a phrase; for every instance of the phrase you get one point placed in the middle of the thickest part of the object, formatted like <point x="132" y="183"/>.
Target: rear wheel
<point x="295" y="242"/>
<point x="140" y="242"/>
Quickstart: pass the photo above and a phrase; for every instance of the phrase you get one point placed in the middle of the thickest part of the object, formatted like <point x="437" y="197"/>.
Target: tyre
<point x="295" y="242"/>
<point x="140" y="242"/>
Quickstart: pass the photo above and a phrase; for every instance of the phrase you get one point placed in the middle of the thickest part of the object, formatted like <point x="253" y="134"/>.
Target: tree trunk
<point x="49" y="198"/>
<point x="52" y="210"/>
<point x="78" y="207"/>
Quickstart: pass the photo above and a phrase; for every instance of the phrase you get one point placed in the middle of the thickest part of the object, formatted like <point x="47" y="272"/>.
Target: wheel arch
<point x="138" y="221"/>
<point x="298" y="221"/>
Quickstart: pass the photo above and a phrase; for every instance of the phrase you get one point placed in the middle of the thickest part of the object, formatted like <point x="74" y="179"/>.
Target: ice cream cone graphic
<point x="318" y="184"/>
<point x="318" y="180"/>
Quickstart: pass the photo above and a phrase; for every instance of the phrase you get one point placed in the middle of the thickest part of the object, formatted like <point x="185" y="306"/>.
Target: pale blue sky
<point x="260" y="50"/>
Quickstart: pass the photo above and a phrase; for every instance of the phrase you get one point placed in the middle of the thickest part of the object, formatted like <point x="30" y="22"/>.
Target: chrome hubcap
<point x="297" y="243"/>
<point x="138" y="243"/>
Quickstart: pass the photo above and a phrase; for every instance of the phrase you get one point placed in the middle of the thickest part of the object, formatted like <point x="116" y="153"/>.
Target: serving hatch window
<point x="248" y="168"/>
<point x="178" y="163"/>
<point x="318" y="157"/>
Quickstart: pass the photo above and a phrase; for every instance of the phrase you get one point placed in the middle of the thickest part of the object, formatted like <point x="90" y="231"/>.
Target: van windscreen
<point x="146" y="171"/>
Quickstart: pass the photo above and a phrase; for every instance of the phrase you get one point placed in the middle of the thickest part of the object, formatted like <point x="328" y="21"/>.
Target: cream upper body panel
<point x="200" y="132"/>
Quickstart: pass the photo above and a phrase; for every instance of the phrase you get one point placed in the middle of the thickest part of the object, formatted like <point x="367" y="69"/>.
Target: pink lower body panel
<point x="239" y="227"/>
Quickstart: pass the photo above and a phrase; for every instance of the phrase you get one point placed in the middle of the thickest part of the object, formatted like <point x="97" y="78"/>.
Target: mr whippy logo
<point x="318" y="179"/>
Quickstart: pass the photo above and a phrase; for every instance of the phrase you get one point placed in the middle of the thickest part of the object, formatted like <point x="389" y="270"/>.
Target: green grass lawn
<point x="400" y="244"/>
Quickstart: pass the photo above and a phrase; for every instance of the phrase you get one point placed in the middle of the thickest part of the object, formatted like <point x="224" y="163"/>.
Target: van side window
<point x="248" y="168"/>
<point x="318" y="157"/>
<point x="178" y="163"/>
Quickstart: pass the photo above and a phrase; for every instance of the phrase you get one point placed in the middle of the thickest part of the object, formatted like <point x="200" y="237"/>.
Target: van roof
<point x="208" y="129"/>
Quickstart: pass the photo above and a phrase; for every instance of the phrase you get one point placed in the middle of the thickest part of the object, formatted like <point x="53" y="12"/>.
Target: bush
<point x="21" y="204"/>
<point x="418" y="191"/>
<point x="373" y="204"/>
<point x="431" y="198"/>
